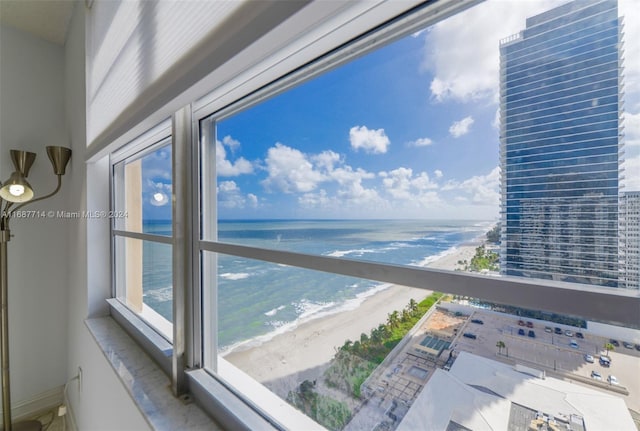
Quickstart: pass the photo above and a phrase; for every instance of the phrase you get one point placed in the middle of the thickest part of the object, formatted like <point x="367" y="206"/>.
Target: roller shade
<point x="141" y="54"/>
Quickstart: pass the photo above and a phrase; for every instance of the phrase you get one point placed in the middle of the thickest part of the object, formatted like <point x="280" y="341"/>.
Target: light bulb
<point x="16" y="189"/>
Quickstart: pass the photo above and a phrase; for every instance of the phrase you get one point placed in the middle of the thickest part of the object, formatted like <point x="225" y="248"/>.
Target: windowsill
<point x="265" y="400"/>
<point x="142" y="360"/>
<point x="147" y="384"/>
<point x="162" y="325"/>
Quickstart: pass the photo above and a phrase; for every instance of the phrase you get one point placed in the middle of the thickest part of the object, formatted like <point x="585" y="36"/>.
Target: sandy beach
<point x="304" y="352"/>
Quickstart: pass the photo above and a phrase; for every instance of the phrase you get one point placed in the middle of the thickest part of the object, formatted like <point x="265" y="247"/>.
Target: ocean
<point x="258" y="300"/>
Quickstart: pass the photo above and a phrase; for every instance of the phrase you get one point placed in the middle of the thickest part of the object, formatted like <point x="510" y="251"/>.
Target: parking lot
<point x="553" y="352"/>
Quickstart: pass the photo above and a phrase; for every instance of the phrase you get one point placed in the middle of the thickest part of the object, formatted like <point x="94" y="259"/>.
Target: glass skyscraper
<point x="561" y="145"/>
<point x="630" y="240"/>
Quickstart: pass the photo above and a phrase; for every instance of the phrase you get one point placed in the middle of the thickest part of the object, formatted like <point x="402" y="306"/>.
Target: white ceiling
<point x="47" y="19"/>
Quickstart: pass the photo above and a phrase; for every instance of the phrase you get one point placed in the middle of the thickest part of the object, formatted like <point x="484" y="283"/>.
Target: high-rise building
<point x="561" y="146"/>
<point x="630" y="240"/>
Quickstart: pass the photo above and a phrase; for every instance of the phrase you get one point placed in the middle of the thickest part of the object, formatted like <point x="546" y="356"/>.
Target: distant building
<point x="482" y="394"/>
<point x="630" y="240"/>
<point x="561" y="101"/>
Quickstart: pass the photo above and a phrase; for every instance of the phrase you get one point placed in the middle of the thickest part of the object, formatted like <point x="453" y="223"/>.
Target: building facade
<point x="630" y="240"/>
<point x="561" y="147"/>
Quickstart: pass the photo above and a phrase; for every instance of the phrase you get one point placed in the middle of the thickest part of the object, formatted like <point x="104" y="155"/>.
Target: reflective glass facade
<point x="560" y="150"/>
<point x="630" y="240"/>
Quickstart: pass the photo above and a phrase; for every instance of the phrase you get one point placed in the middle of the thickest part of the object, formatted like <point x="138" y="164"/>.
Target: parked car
<point x="590" y="359"/>
<point x="614" y="342"/>
<point x="627" y="345"/>
<point x="573" y="344"/>
<point x="529" y="324"/>
<point x="557" y="330"/>
<point x="469" y="335"/>
<point x="520" y="331"/>
<point x="638" y="347"/>
<point x="568" y="333"/>
<point x="531" y="334"/>
<point x="596" y="375"/>
<point x="612" y="380"/>
<point x="605" y="361"/>
<point x="579" y="335"/>
<point x="548" y="329"/>
<point x="520" y="322"/>
<point x="477" y="321"/>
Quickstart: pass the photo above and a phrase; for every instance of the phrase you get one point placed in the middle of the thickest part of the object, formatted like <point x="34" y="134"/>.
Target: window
<point x="312" y="208"/>
<point x="142" y="227"/>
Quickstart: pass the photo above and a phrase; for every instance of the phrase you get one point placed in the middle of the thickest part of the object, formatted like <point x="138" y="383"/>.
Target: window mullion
<point x="182" y="245"/>
<point x="143" y="236"/>
<point x="209" y="289"/>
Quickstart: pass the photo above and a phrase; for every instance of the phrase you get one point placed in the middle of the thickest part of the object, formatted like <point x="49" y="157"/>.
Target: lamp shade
<point x="22" y="161"/>
<point x="16" y="189"/>
<point x="59" y="157"/>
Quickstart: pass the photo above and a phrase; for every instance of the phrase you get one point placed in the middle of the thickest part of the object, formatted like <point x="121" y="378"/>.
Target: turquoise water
<point x="257" y="300"/>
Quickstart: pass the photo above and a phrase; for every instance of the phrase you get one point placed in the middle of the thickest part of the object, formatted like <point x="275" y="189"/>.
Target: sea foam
<point x="235" y="275"/>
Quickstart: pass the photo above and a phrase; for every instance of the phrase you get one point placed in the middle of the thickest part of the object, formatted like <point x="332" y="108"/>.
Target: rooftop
<point x="454" y="397"/>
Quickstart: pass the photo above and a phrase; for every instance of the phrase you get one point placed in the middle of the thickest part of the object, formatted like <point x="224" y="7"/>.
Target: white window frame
<point x="148" y="332"/>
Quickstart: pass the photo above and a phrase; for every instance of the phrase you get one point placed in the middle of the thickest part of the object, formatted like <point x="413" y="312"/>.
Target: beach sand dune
<point x="304" y="353"/>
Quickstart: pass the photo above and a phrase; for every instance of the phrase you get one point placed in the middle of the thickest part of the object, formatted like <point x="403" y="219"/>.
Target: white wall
<point x="32" y="117"/>
<point x="101" y="403"/>
<point x="616" y="332"/>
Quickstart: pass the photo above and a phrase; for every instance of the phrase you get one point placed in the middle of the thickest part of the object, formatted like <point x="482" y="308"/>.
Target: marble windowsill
<point x="148" y="386"/>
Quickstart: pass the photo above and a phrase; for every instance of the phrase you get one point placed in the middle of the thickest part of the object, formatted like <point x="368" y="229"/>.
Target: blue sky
<point x="408" y="131"/>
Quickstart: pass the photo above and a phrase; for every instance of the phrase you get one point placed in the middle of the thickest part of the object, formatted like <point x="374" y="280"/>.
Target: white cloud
<point x="228" y="141"/>
<point x="371" y="141"/>
<point x="230" y="196"/>
<point x="471" y="70"/>
<point x="290" y="171"/>
<point x="496" y="120"/>
<point x="631" y="45"/>
<point x="460" y="128"/>
<point x="632" y="129"/>
<point x="227" y="168"/>
<point x="253" y="200"/>
<point x="315" y="200"/>
<point x="326" y="159"/>
<point x="482" y="189"/>
<point x="632" y="174"/>
<point x="351" y="190"/>
<point x="422" y="142"/>
<point x="402" y="186"/>
<point x="419" y="32"/>
<point x="228" y="187"/>
<point x="326" y="185"/>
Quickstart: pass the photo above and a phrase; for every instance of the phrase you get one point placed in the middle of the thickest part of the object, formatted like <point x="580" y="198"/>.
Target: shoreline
<point x="305" y="351"/>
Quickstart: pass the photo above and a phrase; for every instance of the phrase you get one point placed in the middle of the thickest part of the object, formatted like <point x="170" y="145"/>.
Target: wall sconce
<point x="17" y="190"/>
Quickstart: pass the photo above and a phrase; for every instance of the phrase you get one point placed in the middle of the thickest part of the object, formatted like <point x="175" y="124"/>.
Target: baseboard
<point x="70" y="419"/>
<point x="39" y="403"/>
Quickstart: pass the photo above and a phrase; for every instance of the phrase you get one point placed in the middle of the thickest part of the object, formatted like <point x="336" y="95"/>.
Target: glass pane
<point x="516" y="132"/>
<point x="500" y="146"/>
<point x="144" y="277"/>
<point x="293" y="329"/>
<point x="143" y="192"/>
